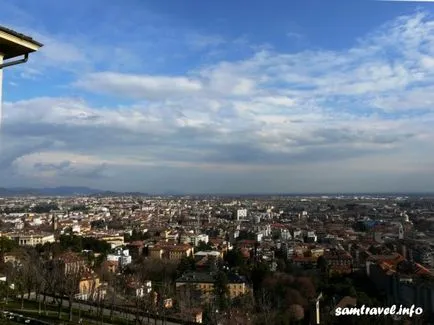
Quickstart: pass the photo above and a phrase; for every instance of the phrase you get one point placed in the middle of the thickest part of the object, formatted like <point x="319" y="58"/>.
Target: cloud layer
<point x="359" y="119"/>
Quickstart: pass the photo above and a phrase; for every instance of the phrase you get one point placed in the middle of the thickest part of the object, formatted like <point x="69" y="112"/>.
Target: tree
<point x="186" y="264"/>
<point x="259" y="273"/>
<point x="234" y="258"/>
<point x="306" y="287"/>
<point x="296" y="312"/>
<point x="20" y="281"/>
<point x="293" y="297"/>
<point x="221" y="290"/>
<point x="45" y="207"/>
<point x="265" y="306"/>
<point x="7" y="245"/>
<point x="165" y="290"/>
<point x="202" y="246"/>
<point x="71" y="285"/>
<point x="9" y="271"/>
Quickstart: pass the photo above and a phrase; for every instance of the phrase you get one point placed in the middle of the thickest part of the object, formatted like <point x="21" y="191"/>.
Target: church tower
<point x="54" y="223"/>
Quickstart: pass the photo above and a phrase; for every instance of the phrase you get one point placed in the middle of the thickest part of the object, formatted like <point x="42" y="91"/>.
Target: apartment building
<point x="339" y="261"/>
<point x="171" y="251"/>
<point x="122" y="256"/>
<point x="70" y="262"/>
<point x="201" y="284"/>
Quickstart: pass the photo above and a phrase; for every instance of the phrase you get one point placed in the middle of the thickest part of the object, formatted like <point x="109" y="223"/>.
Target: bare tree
<point x="72" y="287"/>
<point x="9" y="271"/>
<point x="58" y="276"/>
<point x="265" y="306"/>
<point x="19" y="280"/>
<point x="165" y="292"/>
<point x="49" y="282"/>
<point x="39" y="279"/>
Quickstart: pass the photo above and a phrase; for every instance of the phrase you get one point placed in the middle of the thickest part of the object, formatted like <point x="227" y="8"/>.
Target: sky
<point x="229" y="96"/>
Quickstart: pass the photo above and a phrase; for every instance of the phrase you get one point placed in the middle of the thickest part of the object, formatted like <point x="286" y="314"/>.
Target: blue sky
<point x="221" y="96"/>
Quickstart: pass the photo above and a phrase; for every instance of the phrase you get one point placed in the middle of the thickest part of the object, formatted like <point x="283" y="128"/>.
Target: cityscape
<point x="193" y="162"/>
<point x="216" y="260"/>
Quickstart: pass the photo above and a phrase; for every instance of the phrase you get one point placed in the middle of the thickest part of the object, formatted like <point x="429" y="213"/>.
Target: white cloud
<point x="137" y="86"/>
<point x="366" y="110"/>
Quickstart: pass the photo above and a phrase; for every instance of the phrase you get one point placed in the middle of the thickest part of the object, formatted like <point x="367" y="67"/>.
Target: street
<point x="88" y="309"/>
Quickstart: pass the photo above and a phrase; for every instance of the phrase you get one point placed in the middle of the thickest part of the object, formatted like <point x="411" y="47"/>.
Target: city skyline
<point x="189" y="97"/>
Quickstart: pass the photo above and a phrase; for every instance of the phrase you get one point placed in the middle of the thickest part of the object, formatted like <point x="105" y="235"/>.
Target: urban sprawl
<point x="216" y="260"/>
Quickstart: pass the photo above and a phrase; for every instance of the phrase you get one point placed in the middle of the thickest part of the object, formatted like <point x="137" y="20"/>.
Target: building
<point x="32" y="239"/>
<point x="200" y="238"/>
<point x="70" y="263"/>
<point x="171" y="251"/>
<point x="122" y="256"/>
<point x="110" y="266"/>
<point x="194" y="315"/>
<point x="201" y="284"/>
<point x="12" y="257"/>
<point x="90" y="287"/>
<point x="156" y="252"/>
<point x="136" y="248"/>
<point x="339" y="261"/>
<point x="13" y="45"/>
<point x="402" y="282"/>
<point x="114" y="240"/>
<point x="177" y="252"/>
<point x="241" y="214"/>
<point x="137" y="289"/>
<point x="202" y="254"/>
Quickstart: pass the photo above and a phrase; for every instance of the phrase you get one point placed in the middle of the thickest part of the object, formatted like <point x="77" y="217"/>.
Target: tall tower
<point x="54" y="222"/>
<point x="197" y="224"/>
<point x="401" y="231"/>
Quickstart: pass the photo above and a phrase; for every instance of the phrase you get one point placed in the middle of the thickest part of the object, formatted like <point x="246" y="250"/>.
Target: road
<point x="85" y="308"/>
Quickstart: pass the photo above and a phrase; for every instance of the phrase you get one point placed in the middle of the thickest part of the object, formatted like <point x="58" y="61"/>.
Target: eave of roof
<point x="19" y="35"/>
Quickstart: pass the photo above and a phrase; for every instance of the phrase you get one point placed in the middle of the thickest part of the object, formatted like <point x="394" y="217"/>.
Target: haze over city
<point x="221" y="97"/>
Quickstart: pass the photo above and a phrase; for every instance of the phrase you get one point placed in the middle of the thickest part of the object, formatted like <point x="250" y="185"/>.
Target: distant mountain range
<point x="86" y="191"/>
<point x="62" y="191"/>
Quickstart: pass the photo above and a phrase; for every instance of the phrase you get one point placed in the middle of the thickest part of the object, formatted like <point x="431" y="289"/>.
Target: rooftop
<point x="202" y="277"/>
<point x="13" y="44"/>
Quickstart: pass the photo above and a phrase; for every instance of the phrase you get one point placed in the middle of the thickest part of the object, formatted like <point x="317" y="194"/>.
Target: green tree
<point x="7" y="245"/>
<point x="186" y="264"/>
<point x="202" y="246"/>
<point x="79" y="207"/>
<point x="45" y="208"/>
<point x="259" y="273"/>
<point x="235" y="258"/>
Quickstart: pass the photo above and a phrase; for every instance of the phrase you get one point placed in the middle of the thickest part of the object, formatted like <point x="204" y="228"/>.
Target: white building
<point x="298" y="234"/>
<point x="76" y="228"/>
<point x="311" y="236"/>
<point x="32" y="239"/>
<point x="36" y="221"/>
<point x="122" y="256"/>
<point x="199" y="238"/>
<point x="241" y="214"/>
<point x="190" y="238"/>
<point x="215" y="254"/>
<point x="285" y="234"/>
<point x="139" y="290"/>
